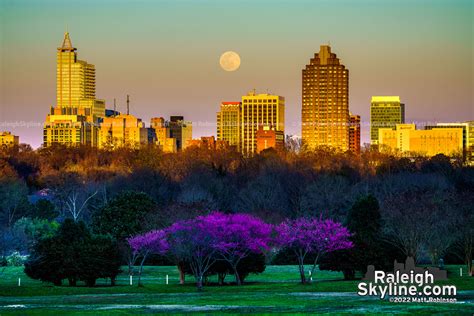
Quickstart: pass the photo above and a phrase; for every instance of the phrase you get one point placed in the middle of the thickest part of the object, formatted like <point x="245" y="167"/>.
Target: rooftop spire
<point x="67" y="45"/>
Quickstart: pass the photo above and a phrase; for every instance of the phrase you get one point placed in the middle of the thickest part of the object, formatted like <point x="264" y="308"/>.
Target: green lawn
<point x="276" y="290"/>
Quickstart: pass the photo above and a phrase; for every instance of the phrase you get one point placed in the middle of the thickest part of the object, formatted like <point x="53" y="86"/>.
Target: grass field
<point x="276" y="290"/>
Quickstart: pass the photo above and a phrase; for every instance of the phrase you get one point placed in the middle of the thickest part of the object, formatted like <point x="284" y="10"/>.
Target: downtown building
<point x="122" y="130"/>
<point x="229" y="123"/>
<point x="385" y="112"/>
<point x="260" y="110"/>
<point x="239" y="122"/>
<point x="467" y="135"/>
<point x="267" y="137"/>
<point x="173" y="135"/>
<point x="354" y="134"/>
<point x="7" y="139"/>
<point x="75" y="118"/>
<point x="325" y="102"/>
<point x="408" y="141"/>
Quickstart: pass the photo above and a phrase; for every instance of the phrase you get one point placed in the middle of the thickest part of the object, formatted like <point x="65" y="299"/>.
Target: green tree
<point x="364" y="222"/>
<point x="123" y="217"/>
<point x="44" y="209"/>
<point x="74" y="253"/>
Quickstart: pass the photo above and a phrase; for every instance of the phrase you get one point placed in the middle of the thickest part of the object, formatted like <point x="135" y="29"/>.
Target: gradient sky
<point x="165" y="54"/>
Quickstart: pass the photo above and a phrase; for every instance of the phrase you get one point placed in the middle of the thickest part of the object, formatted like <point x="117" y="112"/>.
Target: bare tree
<point x="463" y="202"/>
<point x="442" y="232"/>
<point x="329" y="196"/>
<point x="72" y="193"/>
<point x="409" y="220"/>
<point x="78" y="199"/>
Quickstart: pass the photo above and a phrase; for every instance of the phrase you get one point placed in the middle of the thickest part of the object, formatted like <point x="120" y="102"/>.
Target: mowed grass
<point x="275" y="290"/>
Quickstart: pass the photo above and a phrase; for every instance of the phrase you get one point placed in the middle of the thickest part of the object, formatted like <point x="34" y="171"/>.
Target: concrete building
<point x="269" y="138"/>
<point x="229" y="124"/>
<point x="180" y="130"/>
<point x="385" y="112"/>
<point x="208" y="142"/>
<point x="407" y="140"/>
<point x="259" y="110"/>
<point x="7" y="139"/>
<point x="123" y="130"/>
<point x="162" y="135"/>
<point x="325" y="102"/>
<point x="74" y="120"/>
<point x="173" y="135"/>
<point x="354" y="134"/>
<point x="468" y="137"/>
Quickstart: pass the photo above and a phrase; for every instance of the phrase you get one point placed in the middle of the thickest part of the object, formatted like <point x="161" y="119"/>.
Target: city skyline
<point x="426" y="76"/>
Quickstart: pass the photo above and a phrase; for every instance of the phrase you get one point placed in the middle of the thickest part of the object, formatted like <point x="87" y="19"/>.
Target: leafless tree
<point x="411" y="219"/>
<point x="72" y="193"/>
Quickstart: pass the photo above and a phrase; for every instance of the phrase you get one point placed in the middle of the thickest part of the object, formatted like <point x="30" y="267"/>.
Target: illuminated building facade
<point x="7" y="139"/>
<point x="468" y="137"/>
<point x="354" y="134"/>
<point x="406" y="139"/>
<point x="229" y="124"/>
<point x="123" y="130"/>
<point x="208" y="142"/>
<point x="74" y="120"/>
<point x="385" y="112"/>
<point x="162" y="134"/>
<point x="325" y="102"/>
<point x="180" y="130"/>
<point x="269" y="138"/>
<point x="173" y="135"/>
<point x="259" y="110"/>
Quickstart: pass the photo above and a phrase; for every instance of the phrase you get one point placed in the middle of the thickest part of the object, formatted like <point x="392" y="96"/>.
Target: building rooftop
<point x="385" y="99"/>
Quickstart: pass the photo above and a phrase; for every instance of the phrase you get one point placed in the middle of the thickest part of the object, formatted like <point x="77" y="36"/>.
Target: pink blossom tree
<point x="194" y="242"/>
<point x="237" y="236"/>
<point x="153" y="242"/>
<point x="312" y="236"/>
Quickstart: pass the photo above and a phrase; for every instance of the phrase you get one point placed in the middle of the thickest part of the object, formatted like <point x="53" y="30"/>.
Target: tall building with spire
<point x="325" y="102"/>
<point x="75" y="117"/>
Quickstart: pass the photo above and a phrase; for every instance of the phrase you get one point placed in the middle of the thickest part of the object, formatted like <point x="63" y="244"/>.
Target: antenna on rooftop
<point x="128" y="104"/>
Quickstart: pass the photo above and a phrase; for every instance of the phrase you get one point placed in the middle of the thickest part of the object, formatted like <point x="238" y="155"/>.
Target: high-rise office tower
<point x="74" y="119"/>
<point x="228" y="123"/>
<point x="385" y="112"/>
<point x="354" y="134"/>
<point x="325" y="104"/>
<point x="260" y="110"/>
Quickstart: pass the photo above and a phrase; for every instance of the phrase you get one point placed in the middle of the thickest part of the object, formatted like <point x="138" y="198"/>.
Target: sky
<point x="165" y="55"/>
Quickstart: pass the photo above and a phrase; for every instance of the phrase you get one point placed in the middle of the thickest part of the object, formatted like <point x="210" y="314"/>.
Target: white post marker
<point x="131" y="279"/>
<point x="166" y="279"/>
<point x="310" y="277"/>
<point x="460" y="271"/>
<point x="19" y="281"/>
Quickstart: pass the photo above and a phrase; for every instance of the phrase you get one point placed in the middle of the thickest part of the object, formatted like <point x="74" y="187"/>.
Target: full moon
<point x="230" y="61"/>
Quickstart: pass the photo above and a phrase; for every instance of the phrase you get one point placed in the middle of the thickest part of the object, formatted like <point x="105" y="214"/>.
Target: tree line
<point x="424" y="205"/>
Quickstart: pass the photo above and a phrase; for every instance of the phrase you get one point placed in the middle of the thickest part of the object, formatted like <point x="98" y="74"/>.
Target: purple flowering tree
<point x="312" y="236"/>
<point x="193" y="241"/>
<point x="237" y="236"/>
<point x="153" y="242"/>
